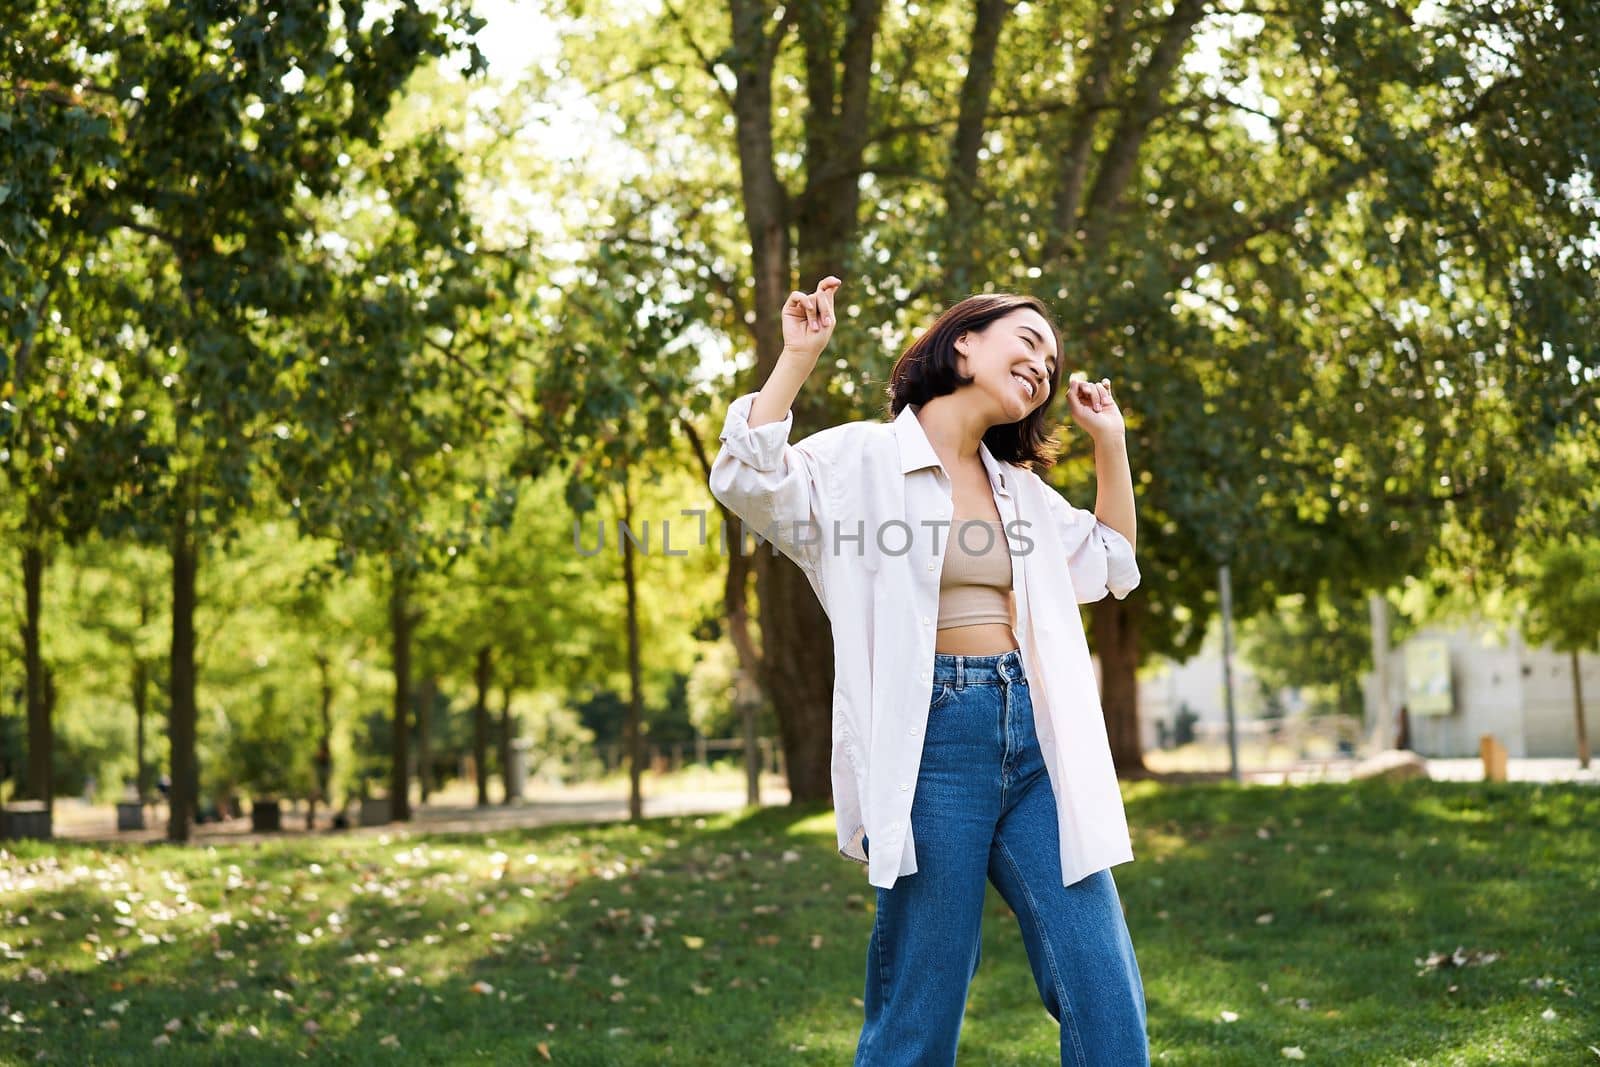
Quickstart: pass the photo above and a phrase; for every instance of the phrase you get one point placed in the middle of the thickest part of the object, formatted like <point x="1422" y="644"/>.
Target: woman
<point x="968" y="742"/>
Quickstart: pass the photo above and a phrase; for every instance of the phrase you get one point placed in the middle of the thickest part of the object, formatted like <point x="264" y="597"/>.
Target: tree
<point x="619" y="366"/>
<point x="1563" y="611"/>
<point x="380" y="456"/>
<point x="214" y="130"/>
<point x="72" y="454"/>
<point x="1321" y="324"/>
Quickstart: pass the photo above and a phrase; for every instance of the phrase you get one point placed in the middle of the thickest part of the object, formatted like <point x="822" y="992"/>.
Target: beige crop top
<point x="975" y="582"/>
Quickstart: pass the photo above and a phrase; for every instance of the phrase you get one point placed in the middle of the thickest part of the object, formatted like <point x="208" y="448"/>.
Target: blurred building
<point x="1458" y="683"/>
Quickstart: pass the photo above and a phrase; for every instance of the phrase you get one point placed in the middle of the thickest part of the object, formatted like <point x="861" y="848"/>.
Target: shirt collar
<point x="916" y="452"/>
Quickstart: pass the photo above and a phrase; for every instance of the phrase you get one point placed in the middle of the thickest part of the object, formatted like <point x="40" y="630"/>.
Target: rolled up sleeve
<point x="1099" y="559"/>
<point x="772" y="486"/>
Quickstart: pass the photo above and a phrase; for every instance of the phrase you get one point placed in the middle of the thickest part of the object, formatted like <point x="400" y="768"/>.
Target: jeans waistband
<point x="997" y="669"/>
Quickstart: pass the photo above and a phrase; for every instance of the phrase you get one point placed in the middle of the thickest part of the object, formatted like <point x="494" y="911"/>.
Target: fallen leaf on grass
<point x="1459" y="958"/>
<point x="1293" y="1052"/>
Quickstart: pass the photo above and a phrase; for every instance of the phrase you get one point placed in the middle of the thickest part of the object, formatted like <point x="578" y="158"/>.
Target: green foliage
<point x="1334" y="256"/>
<point x="1564" y="597"/>
<point x="1320" y="644"/>
<point x="269" y="748"/>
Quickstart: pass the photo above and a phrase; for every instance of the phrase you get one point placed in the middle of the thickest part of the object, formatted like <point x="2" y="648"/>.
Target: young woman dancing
<point x="968" y="741"/>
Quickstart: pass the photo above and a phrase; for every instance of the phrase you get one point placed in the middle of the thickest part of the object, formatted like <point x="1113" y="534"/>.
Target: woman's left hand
<point x="1095" y="409"/>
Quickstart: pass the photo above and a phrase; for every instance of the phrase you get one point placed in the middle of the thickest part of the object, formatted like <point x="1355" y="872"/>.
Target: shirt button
<point x="925" y="676"/>
<point x="904" y="787"/>
<point x="913" y="731"/>
<point x="927" y="621"/>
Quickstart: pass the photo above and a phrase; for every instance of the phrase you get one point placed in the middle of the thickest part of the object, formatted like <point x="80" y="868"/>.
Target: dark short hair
<point x="927" y="368"/>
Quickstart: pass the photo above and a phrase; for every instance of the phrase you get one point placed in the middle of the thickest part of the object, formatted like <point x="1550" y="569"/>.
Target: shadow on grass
<point x="1301" y="912"/>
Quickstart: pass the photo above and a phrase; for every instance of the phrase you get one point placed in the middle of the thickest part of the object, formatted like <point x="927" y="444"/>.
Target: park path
<point x="453" y="811"/>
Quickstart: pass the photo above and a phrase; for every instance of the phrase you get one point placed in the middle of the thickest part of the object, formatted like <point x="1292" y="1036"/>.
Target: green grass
<point x="740" y="939"/>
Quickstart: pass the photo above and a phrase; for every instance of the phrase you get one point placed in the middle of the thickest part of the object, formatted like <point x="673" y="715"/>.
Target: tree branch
<point x="706" y="62"/>
<point x="512" y="405"/>
<point x="934" y="125"/>
<point x="1089" y="102"/>
<point x="171" y="239"/>
<point x="961" y="175"/>
<point x="1120" y="158"/>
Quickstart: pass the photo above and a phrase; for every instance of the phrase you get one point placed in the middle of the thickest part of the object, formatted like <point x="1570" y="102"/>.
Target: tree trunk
<point x="141" y="709"/>
<point x="182" y="719"/>
<point x="427" y="697"/>
<point x="631" y="730"/>
<point x="1115" y="628"/>
<point x="1577" y="707"/>
<point x="323" y="768"/>
<point x="41" y="738"/>
<point x="480" y="726"/>
<point x="507" y="735"/>
<point x="797" y="673"/>
<point x="141" y="700"/>
<point x="400" y="623"/>
<point x="796" y="667"/>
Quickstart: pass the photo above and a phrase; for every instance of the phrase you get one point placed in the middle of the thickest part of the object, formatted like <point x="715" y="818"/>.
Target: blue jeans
<point x="984" y="811"/>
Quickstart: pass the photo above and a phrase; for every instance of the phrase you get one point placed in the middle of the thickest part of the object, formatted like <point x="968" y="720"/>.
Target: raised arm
<point x="772" y="486"/>
<point x="807" y="328"/>
<point x="1100" y="544"/>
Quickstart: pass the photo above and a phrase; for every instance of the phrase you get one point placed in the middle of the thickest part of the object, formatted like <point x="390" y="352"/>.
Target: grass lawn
<point x="1323" y="918"/>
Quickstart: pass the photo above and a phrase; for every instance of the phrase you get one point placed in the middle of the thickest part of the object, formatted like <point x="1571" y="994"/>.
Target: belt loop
<point x="961" y="672"/>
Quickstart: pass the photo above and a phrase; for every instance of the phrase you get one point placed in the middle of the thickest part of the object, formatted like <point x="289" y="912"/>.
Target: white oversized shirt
<point x="864" y="508"/>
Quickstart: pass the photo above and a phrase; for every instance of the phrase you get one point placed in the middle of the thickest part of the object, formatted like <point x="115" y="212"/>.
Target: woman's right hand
<point x="808" y="319"/>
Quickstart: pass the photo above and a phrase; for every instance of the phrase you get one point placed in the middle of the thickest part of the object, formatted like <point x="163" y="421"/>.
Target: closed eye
<point x="1033" y="343"/>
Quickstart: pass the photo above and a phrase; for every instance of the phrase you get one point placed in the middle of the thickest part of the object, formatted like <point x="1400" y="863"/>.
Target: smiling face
<point x="1013" y="363"/>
